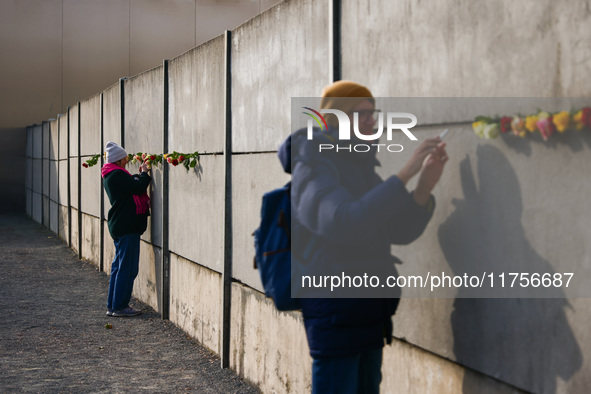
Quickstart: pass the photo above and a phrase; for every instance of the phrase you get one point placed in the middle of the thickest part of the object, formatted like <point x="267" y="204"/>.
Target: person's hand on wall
<point x="431" y="171"/>
<point x="416" y="162"/>
<point x="145" y="168"/>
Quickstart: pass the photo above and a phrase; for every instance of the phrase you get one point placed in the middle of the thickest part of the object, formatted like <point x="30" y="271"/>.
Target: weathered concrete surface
<point x="43" y="348"/>
<point x="112" y="115"/>
<point x="408" y="369"/>
<point x="147" y="286"/>
<point x="268" y="347"/>
<point x="29" y="143"/>
<point x="196" y="99"/>
<point x="493" y="213"/>
<point x="63" y="182"/>
<point x="37" y="201"/>
<point x="28" y="198"/>
<point x="252" y="176"/>
<point x="271" y="64"/>
<point x="90" y="183"/>
<point x="45" y="213"/>
<point x="90" y="125"/>
<point x="90" y="239"/>
<point x="460" y="48"/>
<point x="53" y="139"/>
<point x="74" y="229"/>
<point x="196" y="216"/>
<point x="195" y="303"/>
<point x="63" y="136"/>
<point x="74" y="129"/>
<point x="63" y="223"/>
<point x="144" y="108"/>
<point x="54" y="216"/>
<point x="54" y="180"/>
<point x="45" y="132"/>
<point x="108" y="250"/>
<point x="74" y="169"/>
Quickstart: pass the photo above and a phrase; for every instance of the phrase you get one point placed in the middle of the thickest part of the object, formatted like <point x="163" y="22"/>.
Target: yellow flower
<point x="530" y="123"/>
<point x="478" y="128"/>
<point x="578" y="119"/>
<point x="561" y="121"/>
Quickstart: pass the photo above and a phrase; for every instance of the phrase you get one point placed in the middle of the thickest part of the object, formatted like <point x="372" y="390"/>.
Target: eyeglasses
<point x="366" y="114"/>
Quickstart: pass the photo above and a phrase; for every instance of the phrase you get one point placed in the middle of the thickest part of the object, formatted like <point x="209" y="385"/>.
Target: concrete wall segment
<point x="54" y="217"/>
<point x="45" y="213"/>
<point x="37" y="186"/>
<point x="74" y="181"/>
<point x="389" y="47"/>
<point x="54" y="181"/>
<point x="37" y="135"/>
<point x="63" y="182"/>
<point x="279" y="54"/>
<point x="45" y="165"/>
<point x="147" y="286"/>
<point x="268" y="347"/>
<point x="196" y="99"/>
<point x="46" y="139"/>
<point x="111" y="115"/>
<point x="37" y="204"/>
<point x="29" y="144"/>
<point x="252" y="176"/>
<point x="63" y="137"/>
<point x="90" y="126"/>
<point x="74" y="129"/>
<point x="90" y="183"/>
<point x="195" y="303"/>
<point x="196" y="217"/>
<point x="53" y="139"/>
<point x="144" y="106"/>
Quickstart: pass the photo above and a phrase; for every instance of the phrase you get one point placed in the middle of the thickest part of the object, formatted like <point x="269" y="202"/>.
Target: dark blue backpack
<point x="272" y="243"/>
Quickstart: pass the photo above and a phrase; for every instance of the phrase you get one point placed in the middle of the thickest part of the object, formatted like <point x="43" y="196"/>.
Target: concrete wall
<point x="499" y="188"/>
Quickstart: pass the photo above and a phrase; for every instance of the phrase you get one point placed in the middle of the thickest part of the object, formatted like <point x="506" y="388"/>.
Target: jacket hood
<point x="298" y="148"/>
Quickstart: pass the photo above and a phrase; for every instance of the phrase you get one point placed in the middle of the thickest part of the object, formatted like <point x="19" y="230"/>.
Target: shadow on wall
<point x="526" y="342"/>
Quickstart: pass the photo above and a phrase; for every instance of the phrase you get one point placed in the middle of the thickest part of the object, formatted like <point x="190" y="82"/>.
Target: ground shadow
<point x="526" y="342"/>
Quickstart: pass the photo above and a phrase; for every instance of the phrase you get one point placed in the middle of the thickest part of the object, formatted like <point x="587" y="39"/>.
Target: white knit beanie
<point x="114" y="152"/>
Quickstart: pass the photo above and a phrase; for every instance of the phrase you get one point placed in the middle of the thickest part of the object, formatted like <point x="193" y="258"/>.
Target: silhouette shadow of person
<point x="526" y="342"/>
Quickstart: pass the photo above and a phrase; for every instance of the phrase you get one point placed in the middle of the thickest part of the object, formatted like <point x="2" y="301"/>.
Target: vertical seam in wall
<point x="62" y="65"/>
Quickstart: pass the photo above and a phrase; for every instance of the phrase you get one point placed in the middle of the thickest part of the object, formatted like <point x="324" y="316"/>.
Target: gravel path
<point x="53" y="336"/>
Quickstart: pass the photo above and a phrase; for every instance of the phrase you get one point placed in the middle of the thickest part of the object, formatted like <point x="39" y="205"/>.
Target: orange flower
<point x="561" y="121"/>
<point x="530" y="123"/>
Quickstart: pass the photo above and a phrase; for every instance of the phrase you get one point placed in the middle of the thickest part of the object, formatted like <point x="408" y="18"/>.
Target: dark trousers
<point x="361" y="373"/>
<point x="123" y="271"/>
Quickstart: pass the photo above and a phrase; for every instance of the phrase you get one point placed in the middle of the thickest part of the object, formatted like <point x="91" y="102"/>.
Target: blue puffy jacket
<point x="355" y="216"/>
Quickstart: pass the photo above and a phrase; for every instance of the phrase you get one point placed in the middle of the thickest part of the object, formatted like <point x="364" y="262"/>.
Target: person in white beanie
<point x="127" y="220"/>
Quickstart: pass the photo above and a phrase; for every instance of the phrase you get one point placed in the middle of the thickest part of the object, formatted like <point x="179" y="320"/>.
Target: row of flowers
<point x="189" y="160"/>
<point x="543" y="122"/>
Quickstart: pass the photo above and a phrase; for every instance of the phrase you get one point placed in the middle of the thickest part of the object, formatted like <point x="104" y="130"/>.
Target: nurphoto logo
<point x="345" y="129"/>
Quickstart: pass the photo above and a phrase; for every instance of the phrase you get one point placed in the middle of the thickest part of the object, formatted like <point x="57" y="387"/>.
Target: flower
<point x="169" y="159"/>
<point x="85" y="165"/>
<point x="586" y="116"/>
<point x="578" y="119"/>
<point x="561" y="121"/>
<point x="478" y="128"/>
<point x="143" y="156"/>
<point x="530" y="123"/>
<point x="518" y="126"/>
<point x="152" y="157"/>
<point x="181" y="158"/>
<point x="138" y="158"/>
<point x="175" y="162"/>
<point x="546" y="127"/>
<point x="505" y="124"/>
<point x="491" y="131"/>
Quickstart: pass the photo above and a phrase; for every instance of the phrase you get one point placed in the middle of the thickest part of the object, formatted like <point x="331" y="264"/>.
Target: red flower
<point x="143" y="156"/>
<point x="152" y="157"/>
<point x="169" y="159"/>
<point x="181" y="158"/>
<point x="505" y="124"/>
<point x="587" y="116"/>
<point x="85" y="165"/>
<point x="175" y="162"/>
